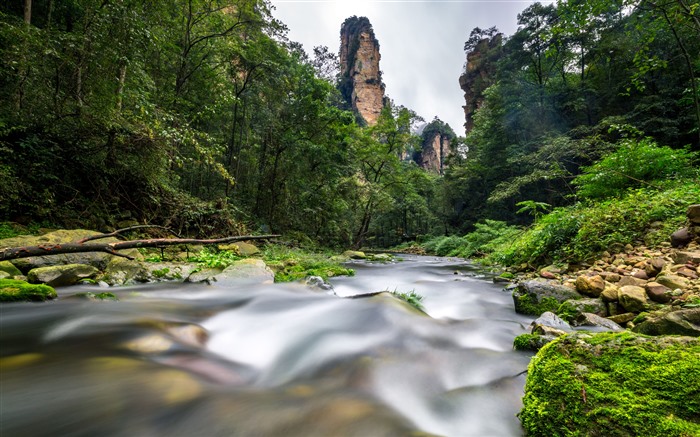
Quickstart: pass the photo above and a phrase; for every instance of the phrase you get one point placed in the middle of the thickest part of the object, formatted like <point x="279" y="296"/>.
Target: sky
<point x="421" y="43"/>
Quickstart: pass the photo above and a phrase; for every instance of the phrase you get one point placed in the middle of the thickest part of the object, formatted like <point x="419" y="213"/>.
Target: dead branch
<point x="121" y="231"/>
<point x="113" y="248"/>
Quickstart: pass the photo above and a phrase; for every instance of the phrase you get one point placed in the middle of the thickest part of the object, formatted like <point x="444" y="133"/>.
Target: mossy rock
<point x="614" y="384"/>
<point x="9" y="268"/>
<point x="537" y="297"/>
<point x="531" y="342"/>
<point x="12" y="290"/>
<point x="572" y="309"/>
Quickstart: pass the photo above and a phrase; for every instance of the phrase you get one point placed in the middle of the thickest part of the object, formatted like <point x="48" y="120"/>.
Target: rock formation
<point x="360" y="77"/>
<point x="479" y="74"/>
<point x="437" y="146"/>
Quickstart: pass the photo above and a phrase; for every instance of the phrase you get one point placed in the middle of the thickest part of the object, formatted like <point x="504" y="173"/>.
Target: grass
<point x="412" y="298"/>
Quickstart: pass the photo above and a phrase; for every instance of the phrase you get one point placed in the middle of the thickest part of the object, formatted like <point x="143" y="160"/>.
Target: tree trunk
<point x="28" y="12"/>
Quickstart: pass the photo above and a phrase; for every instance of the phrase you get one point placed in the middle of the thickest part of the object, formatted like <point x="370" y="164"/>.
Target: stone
<point x="13" y="290"/>
<point x="241" y="248"/>
<point x="682" y="322"/>
<point x="693" y="214"/>
<point x="95" y="259"/>
<point x="165" y="271"/>
<point x="354" y="254"/>
<point x="550" y="320"/>
<point x="623" y="318"/>
<point x="654" y="266"/>
<point x="535" y="297"/>
<point x="681" y="238"/>
<point x="658" y="293"/>
<point x="590" y="285"/>
<point x="245" y="271"/>
<point x="611" y="276"/>
<point x="121" y="271"/>
<point x="572" y="309"/>
<point x="630" y="280"/>
<point x="9" y="268"/>
<point x="204" y="275"/>
<point x="687" y="273"/>
<point x="590" y="319"/>
<point x="641" y="274"/>
<point x="381" y="257"/>
<point x="610" y="293"/>
<point x="632" y="298"/>
<point x="673" y="281"/>
<point x="317" y="283"/>
<point x="61" y="275"/>
<point x="684" y="257"/>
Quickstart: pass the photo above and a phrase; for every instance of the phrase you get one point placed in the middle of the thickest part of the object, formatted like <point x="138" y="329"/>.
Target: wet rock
<point x="589" y="319"/>
<point x="682" y="322"/>
<point x="590" y="285"/>
<point x="317" y="283"/>
<point x="572" y="309"/>
<point x="536" y="297"/>
<point x="353" y="254"/>
<point x="550" y="320"/>
<point x="61" y="275"/>
<point x="658" y="293"/>
<point x="673" y="281"/>
<point x="245" y="271"/>
<point x="13" y="290"/>
<point x="632" y="298"/>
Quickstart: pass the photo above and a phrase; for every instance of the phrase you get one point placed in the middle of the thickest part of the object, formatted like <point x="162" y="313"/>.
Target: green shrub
<point x="635" y="163"/>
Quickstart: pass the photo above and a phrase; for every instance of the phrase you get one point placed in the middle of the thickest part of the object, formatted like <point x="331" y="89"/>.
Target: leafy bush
<point x="579" y="232"/>
<point x="633" y="164"/>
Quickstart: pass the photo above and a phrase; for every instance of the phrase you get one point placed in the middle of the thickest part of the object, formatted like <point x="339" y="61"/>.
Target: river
<point x="269" y="360"/>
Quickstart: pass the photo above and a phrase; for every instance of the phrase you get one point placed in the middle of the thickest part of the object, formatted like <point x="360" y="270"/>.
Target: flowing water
<point x="269" y="360"/>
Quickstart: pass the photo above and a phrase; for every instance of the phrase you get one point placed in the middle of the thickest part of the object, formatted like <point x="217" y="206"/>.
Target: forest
<point x="204" y="117"/>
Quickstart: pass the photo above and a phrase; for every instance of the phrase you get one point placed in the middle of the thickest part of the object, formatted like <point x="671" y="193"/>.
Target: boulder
<point x="165" y="271"/>
<point x="121" y="271"/>
<point x="686" y="272"/>
<point x="550" y="320"/>
<point x="354" y="254"/>
<point x="590" y="285"/>
<point x="623" y="318"/>
<point x="610" y="293"/>
<point x="61" y="275"/>
<point x="245" y="271"/>
<point x="572" y="309"/>
<point x="536" y="297"/>
<point x="613" y="384"/>
<point x="682" y="322"/>
<point x="654" y="266"/>
<point x="95" y="259"/>
<point x="673" y="281"/>
<point x="632" y="298"/>
<point x="9" y="268"/>
<point x="658" y="293"/>
<point x="681" y="238"/>
<point x="531" y="342"/>
<point x="12" y="290"/>
<point x="204" y="275"/>
<point x="589" y="319"/>
<point x="684" y="257"/>
<point x="241" y="248"/>
<point x="693" y="214"/>
<point x="631" y="280"/>
<point x="317" y="283"/>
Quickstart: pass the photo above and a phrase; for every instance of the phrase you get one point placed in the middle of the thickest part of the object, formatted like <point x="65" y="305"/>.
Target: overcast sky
<point x="421" y="43"/>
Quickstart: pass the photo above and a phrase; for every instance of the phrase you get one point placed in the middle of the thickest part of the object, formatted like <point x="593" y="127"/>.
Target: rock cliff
<point x="437" y="146"/>
<point x="479" y="74"/>
<point x="360" y="77"/>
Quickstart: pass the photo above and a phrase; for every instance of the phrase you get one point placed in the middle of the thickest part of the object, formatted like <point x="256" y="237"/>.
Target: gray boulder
<point x="589" y="319"/>
<point x="682" y="322"/>
<point x="550" y="320"/>
<point x="536" y="297"/>
<point x="63" y="275"/>
<point x="245" y="271"/>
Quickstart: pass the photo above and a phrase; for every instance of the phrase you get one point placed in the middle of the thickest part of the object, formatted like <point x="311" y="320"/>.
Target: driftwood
<point x="113" y="248"/>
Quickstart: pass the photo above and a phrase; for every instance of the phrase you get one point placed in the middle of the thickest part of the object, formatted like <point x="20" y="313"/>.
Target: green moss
<point x="529" y="342"/>
<point x="160" y="273"/>
<point x="97" y="296"/>
<point x="294" y="264"/>
<point x="619" y="384"/>
<point x="507" y="275"/>
<point x="528" y="305"/>
<point x="12" y="290"/>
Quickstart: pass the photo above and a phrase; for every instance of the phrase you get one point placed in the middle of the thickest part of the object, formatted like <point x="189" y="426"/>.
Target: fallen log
<point x="113" y="248"/>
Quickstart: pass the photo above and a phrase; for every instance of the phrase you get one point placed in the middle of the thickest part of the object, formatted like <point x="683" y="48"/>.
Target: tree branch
<point x="112" y="248"/>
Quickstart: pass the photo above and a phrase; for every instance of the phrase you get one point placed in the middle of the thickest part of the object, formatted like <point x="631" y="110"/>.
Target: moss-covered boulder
<point x="614" y="384"/>
<point x="354" y="254"/>
<point x="10" y="269"/>
<point x="12" y="290"/>
<point x="683" y="322"/>
<point x="531" y="342"/>
<point x="572" y="309"/>
<point x="536" y="297"/>
<point x="95" y="259"/>
<point x="61" y="276"/>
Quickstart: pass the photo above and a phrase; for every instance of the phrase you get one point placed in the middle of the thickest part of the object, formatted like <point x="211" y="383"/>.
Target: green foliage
<point x="486" y="238"/>
<point x="633" y="164"/>
<point x="294" y="264"/>
<point x="580" y="232"/>
<point x="212" y="259"/>
<point x="411" y="297"/>
<point x="621" y="384"/>
<point x="12" y="290"/>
